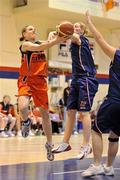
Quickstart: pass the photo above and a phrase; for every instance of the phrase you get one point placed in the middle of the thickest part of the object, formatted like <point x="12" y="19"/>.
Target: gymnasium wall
<point x="11" y="23"/>
<point x="9" y="55"/>
<point x="96" y="7"/>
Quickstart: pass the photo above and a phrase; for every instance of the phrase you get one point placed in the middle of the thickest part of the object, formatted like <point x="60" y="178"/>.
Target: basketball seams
<point x="65" y="28"/>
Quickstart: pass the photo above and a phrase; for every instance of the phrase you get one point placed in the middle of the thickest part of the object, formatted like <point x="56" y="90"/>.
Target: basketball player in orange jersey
<point x="32" y="81"/>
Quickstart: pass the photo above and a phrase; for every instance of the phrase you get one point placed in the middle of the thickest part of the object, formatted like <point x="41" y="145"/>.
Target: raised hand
<point x="88" y="17"/>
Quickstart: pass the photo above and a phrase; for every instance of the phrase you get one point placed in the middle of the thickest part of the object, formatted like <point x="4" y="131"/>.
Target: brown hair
<point x="22" y="32"/>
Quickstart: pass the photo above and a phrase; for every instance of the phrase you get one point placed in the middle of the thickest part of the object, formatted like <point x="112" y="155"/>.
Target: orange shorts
<point x="35" y="86"/>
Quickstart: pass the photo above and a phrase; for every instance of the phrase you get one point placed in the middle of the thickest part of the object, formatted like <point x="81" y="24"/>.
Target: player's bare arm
<point x="75" y="39"/>
<point x="29" y="46"/>
<point x="108" y="49"/>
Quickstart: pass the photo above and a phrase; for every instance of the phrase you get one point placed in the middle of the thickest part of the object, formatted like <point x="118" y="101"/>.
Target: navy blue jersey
<point x="114" y="72"/>
<point x="82" y="60"/>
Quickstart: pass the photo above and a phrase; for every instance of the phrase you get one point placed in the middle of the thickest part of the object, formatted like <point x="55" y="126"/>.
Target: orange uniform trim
<point x="33" y="63"/>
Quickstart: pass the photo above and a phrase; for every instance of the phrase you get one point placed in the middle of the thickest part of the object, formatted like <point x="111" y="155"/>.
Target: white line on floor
<point x="69" y="172"/>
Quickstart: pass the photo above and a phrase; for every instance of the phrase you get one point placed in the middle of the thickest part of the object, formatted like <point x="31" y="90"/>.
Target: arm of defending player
<point x="52" y="35"/>
<point x="108" y="49"/>
<point x="76" y="39"/>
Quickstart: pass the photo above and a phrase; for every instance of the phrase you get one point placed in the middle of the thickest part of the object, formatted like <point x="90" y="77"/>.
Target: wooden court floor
<point x="17" y="150"/>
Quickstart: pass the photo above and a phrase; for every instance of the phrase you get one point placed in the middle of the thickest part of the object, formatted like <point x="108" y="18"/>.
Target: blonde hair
<point x="83" y="27"/>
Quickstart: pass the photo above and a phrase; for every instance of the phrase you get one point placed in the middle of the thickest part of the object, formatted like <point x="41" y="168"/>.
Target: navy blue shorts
<point x="82" y="92"/>
<point x="108" y="118"/>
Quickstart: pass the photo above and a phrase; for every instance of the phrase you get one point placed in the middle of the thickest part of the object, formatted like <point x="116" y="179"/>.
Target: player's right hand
<point x="62" y="38"/>
<point x="52" y="35"/>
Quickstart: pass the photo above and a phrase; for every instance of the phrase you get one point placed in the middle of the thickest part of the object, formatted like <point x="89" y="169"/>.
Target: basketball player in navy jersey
<point x="83" y="88"/>
<point x="109" y="111"/>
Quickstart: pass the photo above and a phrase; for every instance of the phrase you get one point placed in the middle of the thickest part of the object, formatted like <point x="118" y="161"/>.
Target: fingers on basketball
<point x="65" y="28"/>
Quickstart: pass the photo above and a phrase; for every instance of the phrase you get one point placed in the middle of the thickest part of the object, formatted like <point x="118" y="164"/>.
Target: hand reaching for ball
<point x="52" y="35"/>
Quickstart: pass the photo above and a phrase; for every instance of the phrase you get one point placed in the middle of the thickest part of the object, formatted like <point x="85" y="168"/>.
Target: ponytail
<point x="21" y="38"/>
<point x="83" y="26"/>
<point x="22" y="32"/>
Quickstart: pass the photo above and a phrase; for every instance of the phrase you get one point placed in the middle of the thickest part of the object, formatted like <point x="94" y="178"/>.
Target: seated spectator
<point x="2" y="126"/>
<point x="6" y="116"/>
<point x="36" y="118"/>
<point x="56" y="122"/>
<point x="61" y="109"/>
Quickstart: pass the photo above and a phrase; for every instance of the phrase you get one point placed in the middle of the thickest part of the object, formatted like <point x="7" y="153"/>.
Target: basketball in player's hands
<point x="65" y="28"/>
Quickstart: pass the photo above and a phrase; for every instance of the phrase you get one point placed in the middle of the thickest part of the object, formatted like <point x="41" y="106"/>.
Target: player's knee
<point x="113" y="139"/>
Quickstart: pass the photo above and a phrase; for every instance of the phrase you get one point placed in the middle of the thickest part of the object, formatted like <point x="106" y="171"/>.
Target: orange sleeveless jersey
<point x="33" y="63"/>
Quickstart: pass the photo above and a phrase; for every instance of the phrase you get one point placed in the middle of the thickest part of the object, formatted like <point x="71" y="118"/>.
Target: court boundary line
<point x="78" y="171"/>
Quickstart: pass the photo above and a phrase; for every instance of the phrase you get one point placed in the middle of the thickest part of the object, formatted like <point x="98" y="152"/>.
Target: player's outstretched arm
<point x="108" y="49"/>
<point x="29" y="46"/>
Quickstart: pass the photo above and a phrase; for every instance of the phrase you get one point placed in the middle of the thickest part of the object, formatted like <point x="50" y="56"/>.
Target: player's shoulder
<point x="82" y="37"/>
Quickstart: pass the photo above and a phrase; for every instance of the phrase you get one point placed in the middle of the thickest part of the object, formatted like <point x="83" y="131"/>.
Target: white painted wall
<point x="96" y="8"/>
